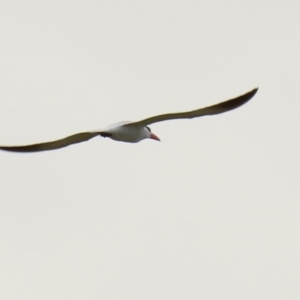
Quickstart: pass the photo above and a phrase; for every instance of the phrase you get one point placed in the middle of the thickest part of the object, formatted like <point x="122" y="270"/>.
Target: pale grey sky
<point x="211" y="212"/>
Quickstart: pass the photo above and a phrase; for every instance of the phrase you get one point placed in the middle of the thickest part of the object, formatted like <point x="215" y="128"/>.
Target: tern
<point x="133" y="132"/>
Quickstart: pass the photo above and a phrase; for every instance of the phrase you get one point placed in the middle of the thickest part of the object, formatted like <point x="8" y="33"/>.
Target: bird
<point x="133" y="132"/>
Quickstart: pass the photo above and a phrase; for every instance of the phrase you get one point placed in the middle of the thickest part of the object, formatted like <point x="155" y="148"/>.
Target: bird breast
<point x="130" y="134"/>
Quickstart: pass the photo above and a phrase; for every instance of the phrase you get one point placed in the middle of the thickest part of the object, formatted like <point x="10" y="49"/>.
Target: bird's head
<point x="151" y="135"/>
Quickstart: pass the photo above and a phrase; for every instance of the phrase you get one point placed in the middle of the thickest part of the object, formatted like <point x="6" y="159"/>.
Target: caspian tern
<point x="133" y="132"/>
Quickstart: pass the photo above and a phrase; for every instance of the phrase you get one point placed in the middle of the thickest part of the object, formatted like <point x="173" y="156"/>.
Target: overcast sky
<point x="211" y="212"/>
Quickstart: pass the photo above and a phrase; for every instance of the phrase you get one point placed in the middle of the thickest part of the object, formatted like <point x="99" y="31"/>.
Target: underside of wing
<point x="210" y="110"/>
<point x="72" y="139"/>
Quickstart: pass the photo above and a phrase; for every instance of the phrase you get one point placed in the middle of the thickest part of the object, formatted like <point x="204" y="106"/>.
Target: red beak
<point x="154" y="137"/>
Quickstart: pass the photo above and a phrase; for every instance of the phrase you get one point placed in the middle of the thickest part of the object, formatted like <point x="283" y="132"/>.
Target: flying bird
<point x="133" y="132"/>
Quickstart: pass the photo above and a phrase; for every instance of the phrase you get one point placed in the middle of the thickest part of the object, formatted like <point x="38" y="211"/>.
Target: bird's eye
<point x="148" y="128"/>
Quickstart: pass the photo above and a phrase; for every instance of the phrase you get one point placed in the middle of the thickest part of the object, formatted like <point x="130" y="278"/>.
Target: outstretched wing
<point x="69" y="140"/>
<point x="210" y="110"/>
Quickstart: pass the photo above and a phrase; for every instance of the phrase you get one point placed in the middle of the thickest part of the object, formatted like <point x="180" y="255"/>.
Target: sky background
<point x="211" y="212"/>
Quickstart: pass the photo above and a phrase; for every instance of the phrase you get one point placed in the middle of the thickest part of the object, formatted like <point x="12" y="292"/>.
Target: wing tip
<point x="254" y="91"/>
<point x="20" y="149"/>
<point x="249" y="95"/>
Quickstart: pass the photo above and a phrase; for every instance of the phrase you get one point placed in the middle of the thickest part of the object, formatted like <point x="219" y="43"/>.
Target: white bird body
<point x="134" y="132"/>
<point x="121" y="133"/>
<point x="129" y="134"/>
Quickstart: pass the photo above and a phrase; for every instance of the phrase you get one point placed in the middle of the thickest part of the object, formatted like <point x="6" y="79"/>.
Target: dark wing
<point x="210" y="110"/>
<point x="72" y="139"/>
